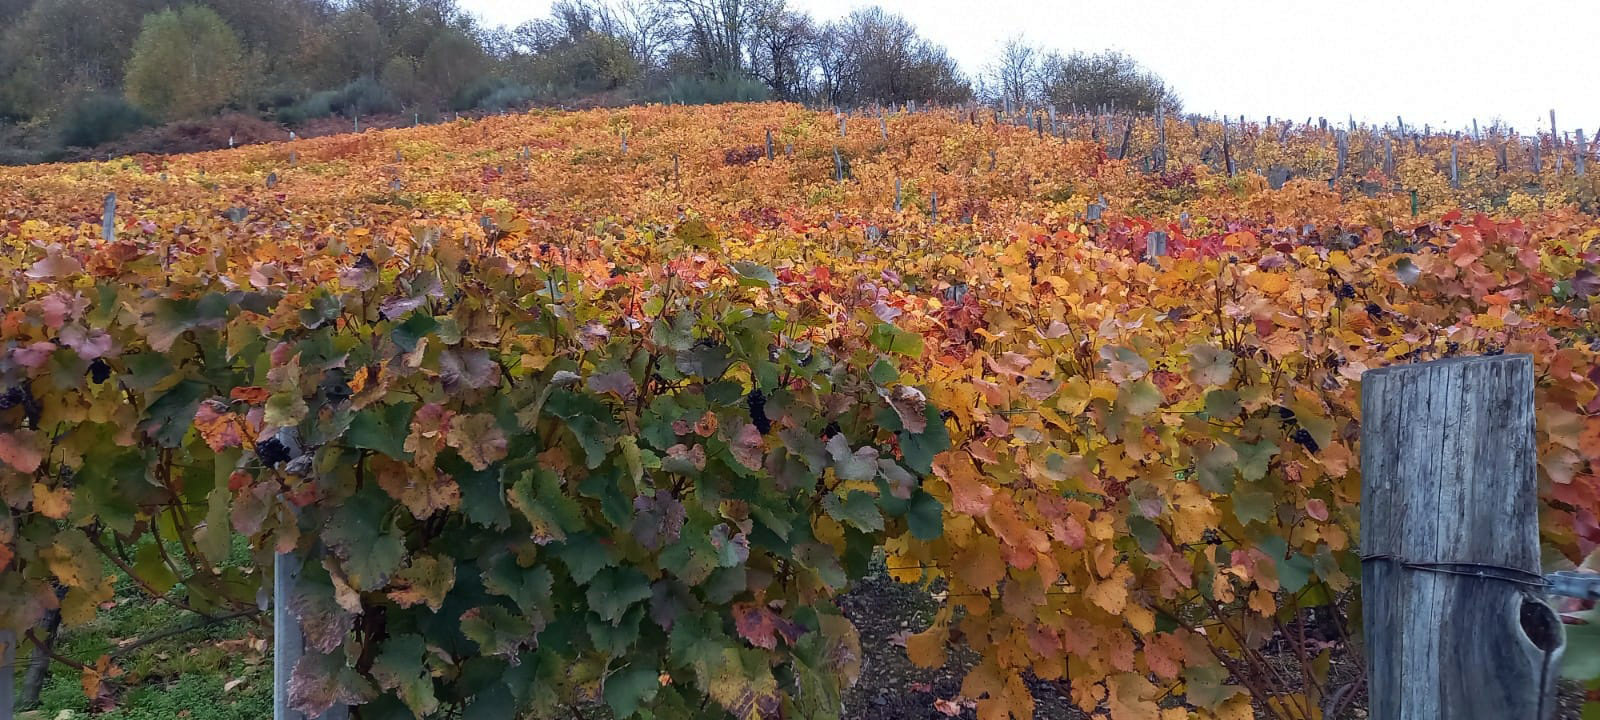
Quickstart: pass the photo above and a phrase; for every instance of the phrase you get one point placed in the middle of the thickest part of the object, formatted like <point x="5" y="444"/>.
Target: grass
<point x="217" y="672"/>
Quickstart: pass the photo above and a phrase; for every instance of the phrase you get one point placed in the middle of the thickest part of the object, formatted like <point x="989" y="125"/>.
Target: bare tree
<point x="717" y="31"/>
<point x="781" y="49"/>
<point x="874" y="55"/>
<point x="1014" y="75"/>
<point x="1107" y="78"/>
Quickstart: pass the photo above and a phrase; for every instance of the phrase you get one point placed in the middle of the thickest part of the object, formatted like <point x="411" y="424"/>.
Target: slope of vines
<point x="557" y="417"/>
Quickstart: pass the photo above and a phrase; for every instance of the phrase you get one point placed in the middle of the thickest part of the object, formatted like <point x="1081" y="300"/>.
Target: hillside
<point x="617" y="408"/>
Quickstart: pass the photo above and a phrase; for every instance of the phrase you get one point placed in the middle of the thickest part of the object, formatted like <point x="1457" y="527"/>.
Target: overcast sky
<point x="1442" y="62"/>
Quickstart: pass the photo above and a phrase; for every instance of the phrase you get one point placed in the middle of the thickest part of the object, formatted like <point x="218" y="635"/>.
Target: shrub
<point x="365" y="96"/>
<point x="508" y="97"/>
<point x="715" y="89"/>
<point x="100" y="119"/>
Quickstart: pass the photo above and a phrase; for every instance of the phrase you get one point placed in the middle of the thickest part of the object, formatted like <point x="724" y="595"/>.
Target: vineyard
<point x="606" y="409"/>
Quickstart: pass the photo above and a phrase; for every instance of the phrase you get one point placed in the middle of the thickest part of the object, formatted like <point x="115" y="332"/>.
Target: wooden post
<point x="1450" y="536"/>
<point x="1455" y="173"/>
<point x="287" y="641"/>
<point x="1227" y="150"/>
<point x="841" y="126"/>
<point x="8" y="673"/>
<point x="624" y="142"/>
<point x="1555" y="141"/>
<point x="933" y="205"/>
<point x="1579" y="165"/>
<point x="769" y="144"/>
<point x="838" y="165"/>
<point x="108" y="219"/>
<point x="1342" y="143"/>
<point x="897" y="196"/>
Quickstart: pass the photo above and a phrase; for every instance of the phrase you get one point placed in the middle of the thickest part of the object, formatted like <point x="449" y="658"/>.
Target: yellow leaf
<point x="1111" y="594"/>
<point x="52" y="503"/>
<point x="927" y="649"/>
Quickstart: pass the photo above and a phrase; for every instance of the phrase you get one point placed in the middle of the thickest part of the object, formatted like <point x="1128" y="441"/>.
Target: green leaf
<point x="406" y="335"/>
<point x="1205" y="686"/>
<point x="753" y="275"/>
<point x="153" y="569"/>
<point x="358" y="532"/>
<point x="1254" y="459"/>
<point x="382" y="428"/>
<point x="399" y="667"/>
<point x="171" y="415"/>
<point x="584" y="554"/>
<point x="1223" y="405"/>
<point x="588" y="419"/>
<point x="529" y="588"/>
<point x="614" y="590"/>
<point x="631" y="687"/>
<point x="858" y="509"/>
<point x="1253" y="506"/>
<point x="919" y="449"/>
<point x="1139" y="398"/>
<point x="926" y="517"/>
<point x="497" y="631"/>
<point x="891" y="339"/>
<point x="883" y="373"/>
<point x="539" y="497"/>
<point x="483" y="497"/>
<point x="1581" y="661"/>
<point x="858" y="466"/>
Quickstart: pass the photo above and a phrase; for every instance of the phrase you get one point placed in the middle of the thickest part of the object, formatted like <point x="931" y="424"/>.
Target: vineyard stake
<point x="769" y="144"/>
<point x="8" y="673"/>
<point x="933" y="205"/>
<point x="1455" y="174"/>
<point x="1450" y="531"/>
<point x="108" y="219"/>
<point x="1578" y="164"/>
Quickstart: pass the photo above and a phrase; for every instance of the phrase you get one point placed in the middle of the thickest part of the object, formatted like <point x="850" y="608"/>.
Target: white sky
<point x="1442" y="62"/>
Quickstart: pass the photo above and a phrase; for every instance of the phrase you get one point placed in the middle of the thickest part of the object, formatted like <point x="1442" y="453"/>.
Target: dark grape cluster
<point x="12" y="397"/>
<point x="99" y="370"/>
<point x="1346" y="291"/>
<point x="757" y="402"/>
<point x="1302" y="437"/>
<point x="1374" y="311"/>
<point x="272" y="451"/>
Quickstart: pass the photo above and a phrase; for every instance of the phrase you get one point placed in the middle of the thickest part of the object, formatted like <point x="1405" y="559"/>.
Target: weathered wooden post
<point x="1450" y="543"/>
<point x="769" y="144"/>
<point x="8" y="672"/>
<point x="287" y="641"/>
<point x="1342" y="148"/>
<point x="1455" y="172"/>
<point x="838" y="165"/>
<point x="1580" y="163"/>
<point x="108" y="219"/>
<point x="1227" y="150"/>
<point x="933" y="206"/>
<point x="897" y="204"/>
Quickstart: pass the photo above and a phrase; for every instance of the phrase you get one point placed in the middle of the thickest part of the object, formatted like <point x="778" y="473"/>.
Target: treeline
<point x="97" y="69"/>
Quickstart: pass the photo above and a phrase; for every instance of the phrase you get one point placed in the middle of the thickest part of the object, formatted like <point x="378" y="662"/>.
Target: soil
<point x="891" y="687"/>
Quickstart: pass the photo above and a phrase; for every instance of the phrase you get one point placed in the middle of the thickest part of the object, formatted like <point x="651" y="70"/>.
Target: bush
<point x="718" y="89"/>
<point x="363" y="97"/>
<point x="510" y="97"/>
<point x="100" y="119"/>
